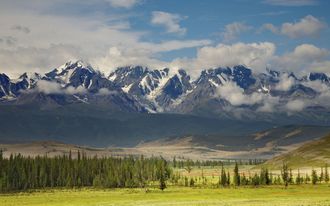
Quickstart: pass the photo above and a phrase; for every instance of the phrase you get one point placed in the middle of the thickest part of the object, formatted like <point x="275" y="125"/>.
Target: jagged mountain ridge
<point x="140" y="89"/>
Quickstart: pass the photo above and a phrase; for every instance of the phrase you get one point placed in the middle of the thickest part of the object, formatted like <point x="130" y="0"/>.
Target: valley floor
<point x="271" y="195"/>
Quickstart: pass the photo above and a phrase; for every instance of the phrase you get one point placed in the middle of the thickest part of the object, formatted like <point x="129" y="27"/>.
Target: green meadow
<point x="267" y="195"/>
<point x="187" y="185"/>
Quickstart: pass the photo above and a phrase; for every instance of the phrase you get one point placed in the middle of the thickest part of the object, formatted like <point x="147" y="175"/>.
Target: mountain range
<point x="232" y="93"/>
<point x="78" y="104"/>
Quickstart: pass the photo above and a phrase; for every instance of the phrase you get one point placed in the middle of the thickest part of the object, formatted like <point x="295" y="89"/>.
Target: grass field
<point x="272" y="195"/>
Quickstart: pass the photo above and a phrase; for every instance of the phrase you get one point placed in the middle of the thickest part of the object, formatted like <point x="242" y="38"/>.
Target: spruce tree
<point x="326" y="174"/>
<point x="255" y="181"/>
<point x="314" y="177"/>
<point x="264" y="177"/>
<point x="285" y="175"/>
<point x="174" y="162"/>
<point x="188" y="166"/>
<point x="162" y="183"/>
<point x="192" y="182"/>
<point x="186" y="182"/>
<point x="236" y="177"/>
<point x="321" y="175"/>
<point x="290" y="176"/>
<point x="244" y="180"/>
<point x="298" y="178"/>
<point x="307" y="179"/>
<point x="223" y="177"/>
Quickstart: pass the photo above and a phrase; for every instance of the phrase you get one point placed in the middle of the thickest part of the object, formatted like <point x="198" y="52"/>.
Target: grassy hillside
<point x="315" y="153"/>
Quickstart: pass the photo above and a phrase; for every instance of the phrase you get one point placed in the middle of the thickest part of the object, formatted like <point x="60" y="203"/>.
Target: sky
<point x="289" y="35"/>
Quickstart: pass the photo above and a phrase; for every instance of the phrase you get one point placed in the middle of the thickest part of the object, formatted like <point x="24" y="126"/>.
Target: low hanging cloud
<point x="309" y="26"/>
<point x="236" y="96"/>
<point x="295" y="105"/>
<point x="20" y="28"/>
<point x="322" y="88"/>
<point x="105" y="92"/>
<point x="269" y="104"/>
<point x="48" y="87"/>
<point x="8" y="40"/>
<point x="285" y="83"/>
<point x="170" y="21"/>
<point x="75" y="90"/>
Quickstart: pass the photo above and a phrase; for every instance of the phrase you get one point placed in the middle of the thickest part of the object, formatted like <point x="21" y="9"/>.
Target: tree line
<point x="19" y="173"/>
<point x="23" y="173"/>
<point x="264" y="177"/>
<point x="236" y="178"/>
<point x="184" y="163"/>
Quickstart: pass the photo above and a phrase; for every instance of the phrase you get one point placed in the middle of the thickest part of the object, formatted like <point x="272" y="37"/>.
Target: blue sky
<point x="207" y="19"/>
<point x="193" y="34"/>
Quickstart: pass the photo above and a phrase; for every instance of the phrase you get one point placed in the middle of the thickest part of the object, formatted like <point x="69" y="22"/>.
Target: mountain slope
<point x="197" y="147"/>
<point x="86" y="124"/>
<point x="314" y="153"/>
<point x="262" y="144"/>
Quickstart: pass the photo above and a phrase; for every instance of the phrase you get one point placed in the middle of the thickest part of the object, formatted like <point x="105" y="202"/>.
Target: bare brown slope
<point x="312" y="154"/>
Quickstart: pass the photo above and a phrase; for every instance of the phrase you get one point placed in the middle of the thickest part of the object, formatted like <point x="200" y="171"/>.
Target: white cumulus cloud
<point x="169" y="21"/>
<point x="254" y="55"/>
<point x="233" y="30"/>
<point x="270" y="27"/>
<point x="291" y="2"/>
<point x="304" y="58"/>
<point x="122" y="3"/>
<point x="309" y="26"/>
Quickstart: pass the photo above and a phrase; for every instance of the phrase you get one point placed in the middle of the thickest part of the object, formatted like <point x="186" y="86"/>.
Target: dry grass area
<point x="315" y="153"/>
